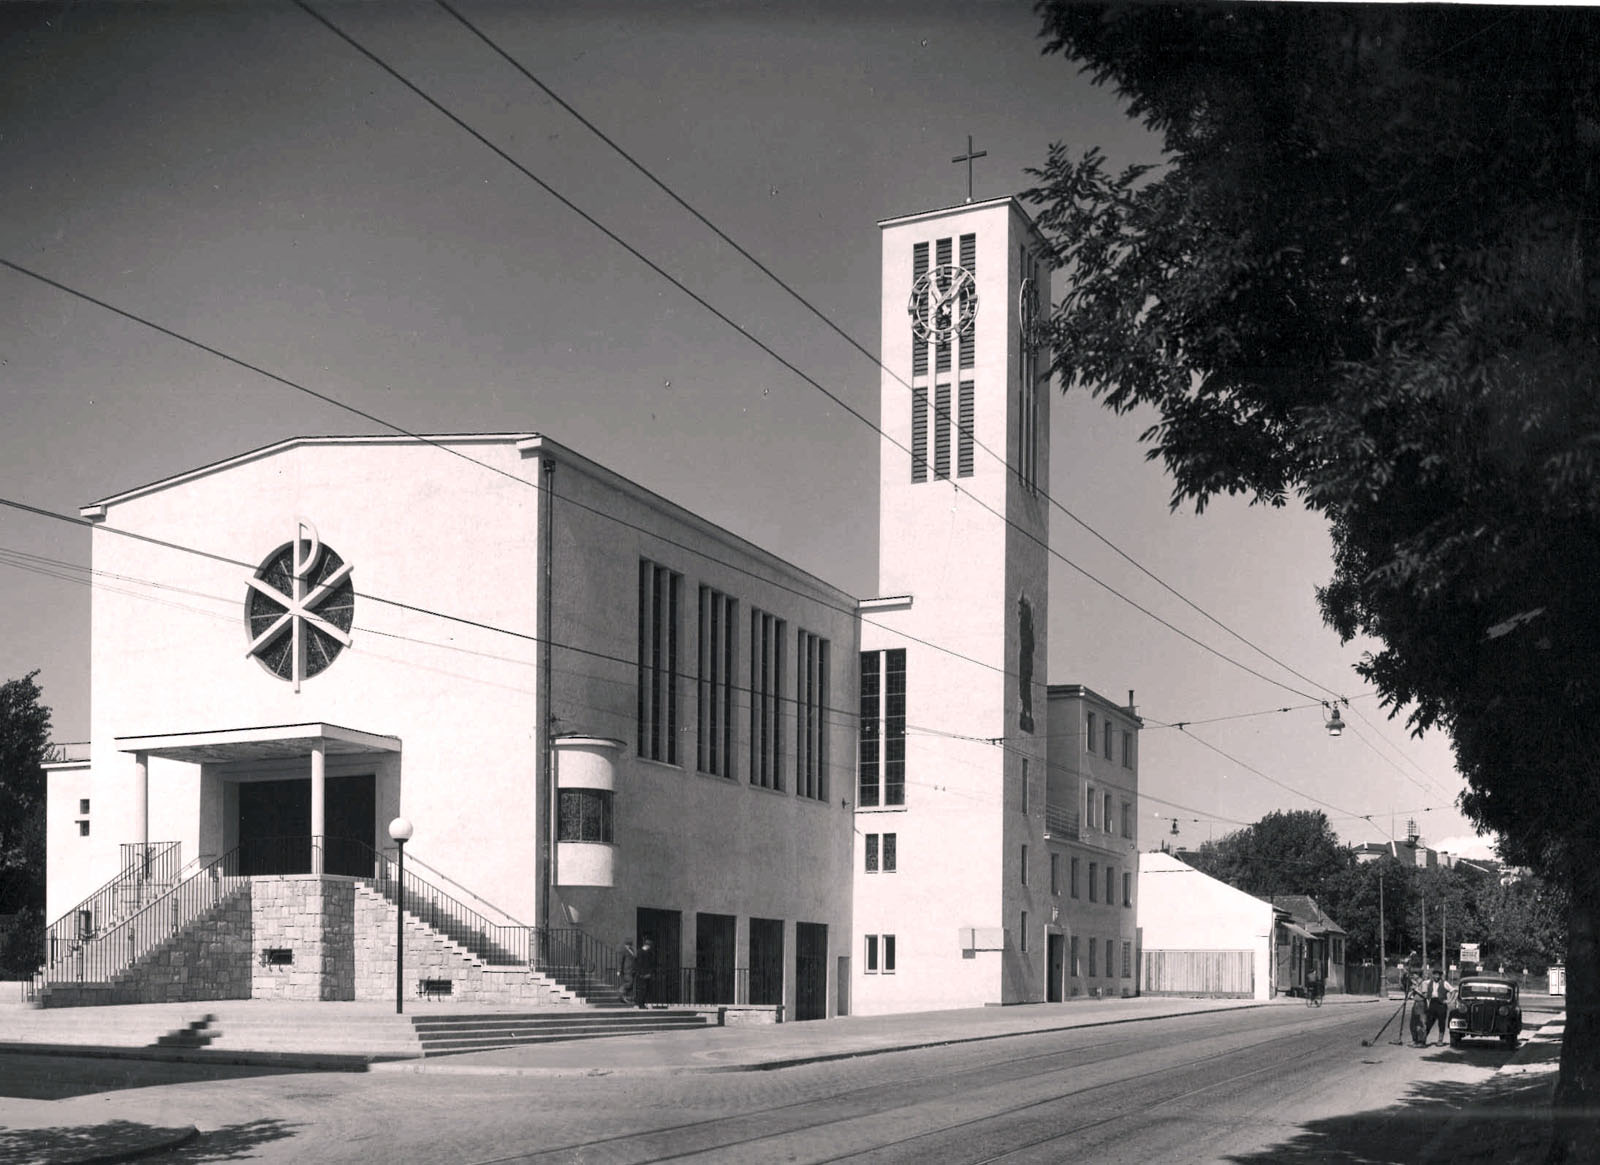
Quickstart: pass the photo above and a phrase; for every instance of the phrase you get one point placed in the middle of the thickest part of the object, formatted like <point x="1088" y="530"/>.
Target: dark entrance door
<point x="811" y="970"/>
<point x="713" y="958"/>
<point x="275" y="827"/>
<point x="664" y="928"/>
<point x="1054" y="964"/>
<point x="766" y="961"/>
<point x="350" y="817"/>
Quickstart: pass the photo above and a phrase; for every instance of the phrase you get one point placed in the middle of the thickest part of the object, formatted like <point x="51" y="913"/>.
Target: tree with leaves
<point x="1284" y="853"/>
<point x="1364" y="275"/>
<point x="24" y="748"/>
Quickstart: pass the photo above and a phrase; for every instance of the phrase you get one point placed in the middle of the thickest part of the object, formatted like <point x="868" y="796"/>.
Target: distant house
<point x="1324" y="942"/>
<point x="1200" y="936"/>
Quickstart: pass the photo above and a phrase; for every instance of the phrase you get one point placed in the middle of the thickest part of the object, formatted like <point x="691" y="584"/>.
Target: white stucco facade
<point x="496" y="609"/>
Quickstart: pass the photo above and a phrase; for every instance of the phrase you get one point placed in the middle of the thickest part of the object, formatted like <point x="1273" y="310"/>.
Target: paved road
<point x="1281" y="1084"/>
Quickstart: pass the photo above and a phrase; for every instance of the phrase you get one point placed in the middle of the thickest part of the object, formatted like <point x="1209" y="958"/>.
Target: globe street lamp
<point x="400" y="830"/>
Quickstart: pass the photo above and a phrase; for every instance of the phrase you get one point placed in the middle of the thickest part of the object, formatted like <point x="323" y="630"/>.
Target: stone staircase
<point x="441" y="1035"/>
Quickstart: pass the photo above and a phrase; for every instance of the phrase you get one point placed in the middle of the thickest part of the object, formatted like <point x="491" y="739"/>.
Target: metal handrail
<point x="100" y="957"/>
<point x="146" y="866"/>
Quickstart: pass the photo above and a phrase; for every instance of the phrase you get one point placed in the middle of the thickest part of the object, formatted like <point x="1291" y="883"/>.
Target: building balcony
<point x="1061" y="823"/>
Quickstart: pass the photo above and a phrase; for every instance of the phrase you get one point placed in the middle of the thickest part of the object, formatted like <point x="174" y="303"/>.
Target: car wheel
<point x="1455" y="1040"/>
<point x="1509" y="1041"/>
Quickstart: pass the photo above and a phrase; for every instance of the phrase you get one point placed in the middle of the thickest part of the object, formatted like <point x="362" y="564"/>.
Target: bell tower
<point x="952" y="756"/>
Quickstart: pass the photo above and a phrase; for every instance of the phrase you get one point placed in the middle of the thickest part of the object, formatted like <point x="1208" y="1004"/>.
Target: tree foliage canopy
<point x="24" y="747"/>
<point x="1364" y="275"/>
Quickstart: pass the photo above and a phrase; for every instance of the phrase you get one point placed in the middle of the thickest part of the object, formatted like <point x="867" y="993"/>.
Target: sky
<point x="238" y="174"/>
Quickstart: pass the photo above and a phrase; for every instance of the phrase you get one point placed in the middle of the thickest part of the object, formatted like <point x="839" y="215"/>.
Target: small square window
<point x="83" y="806"/>
<point x="83" y="829"/>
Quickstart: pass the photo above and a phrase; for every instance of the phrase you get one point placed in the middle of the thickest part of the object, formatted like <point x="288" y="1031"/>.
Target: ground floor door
<point x="811" y="970"/>
<point x="766" y="961"/>
<point x="1055" y="963"/>
<point x="275" y="825"/>
<point x="713" y="958"/>
<point x="664" y="929"/>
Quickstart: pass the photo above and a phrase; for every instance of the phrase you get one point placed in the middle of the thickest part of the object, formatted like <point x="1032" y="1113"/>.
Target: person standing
<point x="628" y="972"/>
<point x="1437" y="994"/>
<point x="644" y="971"/>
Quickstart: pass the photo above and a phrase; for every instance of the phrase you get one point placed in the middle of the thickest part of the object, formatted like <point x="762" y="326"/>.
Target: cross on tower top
<point x="968" y="159"/>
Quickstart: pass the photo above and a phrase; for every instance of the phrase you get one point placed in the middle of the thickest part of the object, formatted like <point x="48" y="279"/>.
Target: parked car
<point x="1485" y="1007"/>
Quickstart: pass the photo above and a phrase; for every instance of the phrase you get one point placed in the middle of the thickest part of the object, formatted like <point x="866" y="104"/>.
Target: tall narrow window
<point x="1024" y="865"/>
<point x="941" y="350"/>
<point x="881" y="769"/>
<point x="888" y="954"/>
<point x="659" y="595"/>
<point x="1106" y="821"/>
<point x="965" y="416"/>
<point x="870" y="731"/>
<point x="1094" y="957"/>
<point x="941" y="431"/>
<point x="1090" y="735"/>
<point x="919" y="346"/>
<point x="894" y="727"/>
<point x="1107" y="749"/>
<point x="1127" y="888"/>
<point x="714" y="741"/>
<point x="1077" y="967"/>
<point x="919" y="430"/>
<point x="1127" y="960"/>
<point x="1094" y="881"/>
<point x="889" y="856"/>
<point x="1022" y="932"/>
<point x="871" y="954"/>
<point x="969" y="260"/>
<point x="811" y="716"/>
<point x="1090" y="803"/>
<point x="1055" y="873"/>
<point x="1074" y="877"/>
<point x="1127" y="819"/>
<point x="872" y="853"/>
<point x="1024" y="784"/>
<point x="768" y="641"/>
<point x="1127" y="750"/>
<point x="1111" y="885"/>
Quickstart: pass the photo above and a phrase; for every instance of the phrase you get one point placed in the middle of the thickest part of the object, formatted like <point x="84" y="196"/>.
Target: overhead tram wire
<point x="85" y="575"/>
<point x="838" y="330"/>
<point x="764" y="347"/>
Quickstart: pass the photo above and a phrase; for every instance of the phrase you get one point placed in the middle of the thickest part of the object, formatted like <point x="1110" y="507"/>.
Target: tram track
<point x="743" y="1133"/>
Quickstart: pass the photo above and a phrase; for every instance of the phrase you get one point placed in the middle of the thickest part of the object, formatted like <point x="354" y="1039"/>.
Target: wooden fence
<point x="1230" y="973"/>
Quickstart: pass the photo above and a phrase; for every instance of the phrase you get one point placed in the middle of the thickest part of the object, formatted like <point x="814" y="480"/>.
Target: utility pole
<point x="1424" y="897"/>
<point x="1444" y="947"/>
<point x="1383" y="957"/>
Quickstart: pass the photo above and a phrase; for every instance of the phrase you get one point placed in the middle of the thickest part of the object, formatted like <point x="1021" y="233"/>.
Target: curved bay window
<point x="584" y="815"/>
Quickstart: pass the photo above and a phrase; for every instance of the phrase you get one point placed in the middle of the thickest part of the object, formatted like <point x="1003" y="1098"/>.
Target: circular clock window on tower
<point x="944" y="303"/>
<point x="299" y="608"/>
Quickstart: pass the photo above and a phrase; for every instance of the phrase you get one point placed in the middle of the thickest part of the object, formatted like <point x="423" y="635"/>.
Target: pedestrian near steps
<point x="644" y="971"/>
<point x="628" y="972"/>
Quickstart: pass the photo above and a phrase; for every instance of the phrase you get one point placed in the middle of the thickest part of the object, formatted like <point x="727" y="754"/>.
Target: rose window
<point x="299" y="608"/>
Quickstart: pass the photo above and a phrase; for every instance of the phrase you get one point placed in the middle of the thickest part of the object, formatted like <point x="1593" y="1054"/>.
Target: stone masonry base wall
<point x="311" y="919"/>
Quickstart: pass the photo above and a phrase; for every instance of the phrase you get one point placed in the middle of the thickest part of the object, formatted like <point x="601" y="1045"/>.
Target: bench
<point x="435" y="988"/>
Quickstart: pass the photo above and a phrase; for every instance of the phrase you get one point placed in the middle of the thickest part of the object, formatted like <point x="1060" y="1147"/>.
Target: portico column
<point x="141" y="798"/>
<point x="319" y="784"/>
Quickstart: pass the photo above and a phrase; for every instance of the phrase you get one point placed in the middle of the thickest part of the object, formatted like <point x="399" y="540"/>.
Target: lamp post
<point x="400" y="830"/>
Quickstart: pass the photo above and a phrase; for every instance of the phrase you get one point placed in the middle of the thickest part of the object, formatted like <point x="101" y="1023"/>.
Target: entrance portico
<point x="255" y="800"/>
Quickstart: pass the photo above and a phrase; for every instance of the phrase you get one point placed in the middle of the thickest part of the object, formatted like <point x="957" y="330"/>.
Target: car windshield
<point x="1472" y="990"/>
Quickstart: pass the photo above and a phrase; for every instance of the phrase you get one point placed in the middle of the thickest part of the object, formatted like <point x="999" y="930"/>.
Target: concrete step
<point x="471" y="1033"/>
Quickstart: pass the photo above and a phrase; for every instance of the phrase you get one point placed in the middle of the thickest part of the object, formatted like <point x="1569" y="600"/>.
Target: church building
<point x="601" y="716"/>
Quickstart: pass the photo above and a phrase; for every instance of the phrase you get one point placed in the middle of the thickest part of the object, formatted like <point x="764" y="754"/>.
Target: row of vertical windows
<point x="1097" y="813"/>
<point x="660" y="599"/>
<point x="1028" y="388"/>
<point x="1110" y="883"/>
<point x="718" y="650"/>
<point x="882" y="754"/>
<point x="881" y="853"/>
<point x="877" y="944"/>
<point x="965" y="417"/>
<point x="1077" y="970"/>
<point x="659" y="594"/>
<point x="1104" y="742"/>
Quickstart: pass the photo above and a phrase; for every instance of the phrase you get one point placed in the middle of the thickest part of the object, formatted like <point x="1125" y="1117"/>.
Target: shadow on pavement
<point x="61" y="1077"/>
<point x="231" y="1142"/>
<point x="1494" y="1122"/>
